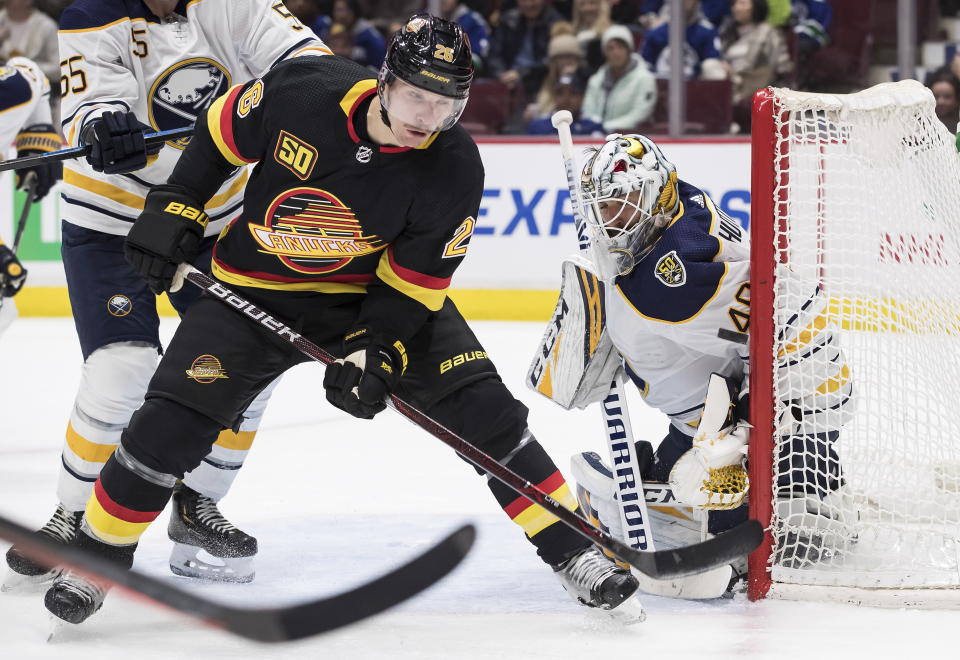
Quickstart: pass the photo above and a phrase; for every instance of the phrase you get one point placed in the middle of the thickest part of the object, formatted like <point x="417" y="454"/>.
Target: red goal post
<point x="859" y="196"/>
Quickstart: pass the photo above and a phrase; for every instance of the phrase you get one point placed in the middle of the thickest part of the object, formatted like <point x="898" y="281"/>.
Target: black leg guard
<point x="168" y="437"/>
<point x="486" y="415"/>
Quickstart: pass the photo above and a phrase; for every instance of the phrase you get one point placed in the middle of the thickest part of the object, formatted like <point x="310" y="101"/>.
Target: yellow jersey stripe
<point x="535" y="518"/>
<point x="85" y="450"/>
<point x="432" y="299"/>
<point x="241" y="441"/>
<point x="214" y="118"/>
<point x="110" y="528"/>
<point x="322" y="287"/>
<point x="103" y="189"/>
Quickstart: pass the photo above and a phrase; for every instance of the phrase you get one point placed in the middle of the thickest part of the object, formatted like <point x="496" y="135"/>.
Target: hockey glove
<point x="712" y="474"/>
<point x="359" y="383"/>
<point x="116" y="143"/>
<point x="166" y="234"/>
<point x="34" y="141"/>
<point x="12" y="273"/>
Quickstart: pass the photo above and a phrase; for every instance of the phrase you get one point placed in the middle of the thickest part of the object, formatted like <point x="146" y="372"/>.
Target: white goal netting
<point x="867" y="371"/>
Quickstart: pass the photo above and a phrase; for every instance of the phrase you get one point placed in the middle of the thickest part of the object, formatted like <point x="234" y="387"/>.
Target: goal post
<point x="857" y="198"/>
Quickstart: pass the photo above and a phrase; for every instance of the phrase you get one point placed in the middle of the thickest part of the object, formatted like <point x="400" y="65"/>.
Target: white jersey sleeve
<point x="117" y="56"/>
<point x="24" y="99"/>
<point x="683" y="312"/>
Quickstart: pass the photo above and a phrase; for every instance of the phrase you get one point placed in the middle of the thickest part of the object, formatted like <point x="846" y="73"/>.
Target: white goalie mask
<point x="628" y="192"/>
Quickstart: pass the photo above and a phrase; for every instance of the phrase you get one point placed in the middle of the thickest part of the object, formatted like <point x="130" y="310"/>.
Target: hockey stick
<point x="634" y="518"/>
<point x="267" y="624"/>
<point x="150" y="139"/>
<point x="688" y="560"/>
<point x="617" y="430"/>
<point x="31" y="187"/>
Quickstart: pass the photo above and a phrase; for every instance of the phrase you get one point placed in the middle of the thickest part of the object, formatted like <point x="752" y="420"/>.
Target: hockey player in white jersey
<point x="24" y="120"/>
<point x="677" y="309"/>
<point x="132" y="67"/>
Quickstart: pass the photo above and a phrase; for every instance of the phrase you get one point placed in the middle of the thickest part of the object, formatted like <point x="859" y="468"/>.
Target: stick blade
<point x="368" y="599"/>
<point x="699" y="557"/>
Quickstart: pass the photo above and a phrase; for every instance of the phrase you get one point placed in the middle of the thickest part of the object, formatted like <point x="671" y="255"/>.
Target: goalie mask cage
<point x="860" y="194"/>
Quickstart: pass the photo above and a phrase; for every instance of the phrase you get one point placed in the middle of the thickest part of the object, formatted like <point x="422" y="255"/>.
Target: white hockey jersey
<point x="24" y="99"/>
<point x="683" y="312"/>
<point x="117" y="56"/>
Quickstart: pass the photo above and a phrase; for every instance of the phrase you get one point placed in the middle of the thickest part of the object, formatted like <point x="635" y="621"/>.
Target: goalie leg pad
<point x="671" y="527"/>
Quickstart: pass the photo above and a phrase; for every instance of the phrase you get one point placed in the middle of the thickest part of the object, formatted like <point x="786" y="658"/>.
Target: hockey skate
<point x="207" y="545"/>
<point x="810" y="530"/>
<point x="595" y="581"/>
<point x="25" y="574"/>
<point x="74" y="597"/>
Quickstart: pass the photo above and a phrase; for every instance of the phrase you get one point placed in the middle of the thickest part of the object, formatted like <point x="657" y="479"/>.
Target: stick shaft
<point x="483" y="461"/>
<point x="570" y="170"/>
<point x="76" y="152"/>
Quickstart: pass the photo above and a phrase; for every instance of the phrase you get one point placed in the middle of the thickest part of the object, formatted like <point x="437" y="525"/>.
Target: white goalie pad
<point x="576" y="360"/>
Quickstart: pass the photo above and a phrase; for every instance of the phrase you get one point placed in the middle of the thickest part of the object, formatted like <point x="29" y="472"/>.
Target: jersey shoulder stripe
<point x="679" y="277"/>
<point x="85" y="15"/>
<point x="15" y="89"/>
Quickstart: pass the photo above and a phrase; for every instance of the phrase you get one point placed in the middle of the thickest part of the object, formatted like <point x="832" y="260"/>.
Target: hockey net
<point x="858" y="194"/>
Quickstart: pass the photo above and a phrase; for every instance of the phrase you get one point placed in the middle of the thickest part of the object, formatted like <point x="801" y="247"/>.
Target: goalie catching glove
<point x="166" y="234"/>
<point x="712" y="474"/>
<point x="359" y="383"/>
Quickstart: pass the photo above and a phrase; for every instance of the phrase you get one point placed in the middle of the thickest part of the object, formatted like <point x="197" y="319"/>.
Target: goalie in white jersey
<point x="676" y="294"/>
<point x="131" y="67"/>
<point x="24" y="120"/>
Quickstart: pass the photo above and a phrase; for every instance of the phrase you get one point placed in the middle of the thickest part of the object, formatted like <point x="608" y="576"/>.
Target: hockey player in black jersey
<point x="361" y="207"/>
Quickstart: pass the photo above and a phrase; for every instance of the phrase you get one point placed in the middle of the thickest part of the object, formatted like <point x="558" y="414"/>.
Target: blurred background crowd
<point x="608" y="61"/>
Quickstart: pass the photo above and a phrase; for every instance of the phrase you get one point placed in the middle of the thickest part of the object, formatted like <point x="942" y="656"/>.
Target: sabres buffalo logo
<point x="670" y="270"/>
<point x="311" y="231"/>
<point x="181" y="93"/>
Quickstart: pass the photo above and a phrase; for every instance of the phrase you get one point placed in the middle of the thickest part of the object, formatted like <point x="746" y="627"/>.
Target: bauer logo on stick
<point x="670" y="270"/>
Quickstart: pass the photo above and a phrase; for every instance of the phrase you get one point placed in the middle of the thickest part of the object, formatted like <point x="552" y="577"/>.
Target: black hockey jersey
<point x="327" y="211"/>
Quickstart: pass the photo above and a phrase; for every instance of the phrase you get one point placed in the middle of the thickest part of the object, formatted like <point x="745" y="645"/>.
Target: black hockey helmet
<point x="430" y="53"/>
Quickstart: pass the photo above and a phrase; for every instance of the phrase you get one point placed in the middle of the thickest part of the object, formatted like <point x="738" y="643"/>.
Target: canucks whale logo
<point x="183" y="91"/>
<point x="311" y="231"/>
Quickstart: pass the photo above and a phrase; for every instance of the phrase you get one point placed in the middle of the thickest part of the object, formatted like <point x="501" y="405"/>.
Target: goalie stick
<point x="688" y="560"/>
<point x="149" y="139"/>
<point x="267" y="624"/>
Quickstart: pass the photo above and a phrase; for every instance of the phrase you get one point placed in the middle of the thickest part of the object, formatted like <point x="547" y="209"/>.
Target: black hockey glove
<point x="33" y="141"/>
<point x="116" y="143"/>
<point x="166" y="234"/>
<point x="12" y="273"/>
<point x="360" y="382"/>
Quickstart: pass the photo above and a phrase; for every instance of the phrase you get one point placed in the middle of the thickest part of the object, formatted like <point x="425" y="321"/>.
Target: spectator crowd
<point x="606" y="61"/>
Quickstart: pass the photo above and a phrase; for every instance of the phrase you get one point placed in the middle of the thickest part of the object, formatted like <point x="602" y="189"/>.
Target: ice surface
<point x="334" y="501"/>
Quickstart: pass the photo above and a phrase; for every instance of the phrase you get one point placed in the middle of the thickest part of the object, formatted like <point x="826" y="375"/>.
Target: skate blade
<point x="55" y="628"/>
<point x="14" y="582"/>
<point x="628" y="613"/>
<point x="187" y="561"/>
